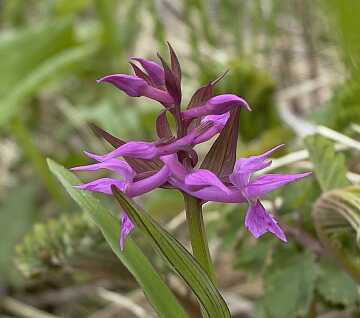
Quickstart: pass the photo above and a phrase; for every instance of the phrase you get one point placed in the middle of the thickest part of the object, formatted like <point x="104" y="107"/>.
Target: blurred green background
<point x="296" y="62"/>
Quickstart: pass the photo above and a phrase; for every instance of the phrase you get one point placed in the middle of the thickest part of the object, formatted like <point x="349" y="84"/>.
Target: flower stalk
<point x="198" y="239"/>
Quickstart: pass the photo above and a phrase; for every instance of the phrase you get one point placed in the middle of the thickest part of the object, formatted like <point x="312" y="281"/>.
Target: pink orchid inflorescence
<point x="171" y="161"/>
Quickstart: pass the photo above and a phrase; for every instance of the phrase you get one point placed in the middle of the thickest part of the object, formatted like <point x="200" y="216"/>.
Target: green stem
<point x="197" y="232"/>
<point x="24" y="140"/>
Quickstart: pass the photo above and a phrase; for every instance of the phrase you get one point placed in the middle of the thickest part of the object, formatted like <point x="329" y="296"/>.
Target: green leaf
<point x="179" y="258"/>
<point x="159" y="295"/>
<point x="337" y="221"/>
<point x="336" y="286"/>
<point x="289" y="288"/>
<point x="329" y="167"/>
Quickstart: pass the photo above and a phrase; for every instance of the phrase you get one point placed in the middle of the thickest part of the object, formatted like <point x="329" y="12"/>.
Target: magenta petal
<point x="130" y="84"/>
<point x="154" y="70"/>
<point x="270" y="182"/>
<point x="227" y="100"/>
<point x="126" y="228"/>
<point x="216" y="105"/>
<point x="161" y="96"/>
<point x="218" y="120"/>
<point x="244" y="167"/>
<point x="148" y="184"/>
<point x="176" y="168"/>
<point x="102" y="185"/>
<point x="204" y="177"/>
<point x="133" y="149"/>
<point x="218" y="123"/>
<point x="120" y="167"/>
<point x="135" y="87"/>
<point x="258" y="222"/>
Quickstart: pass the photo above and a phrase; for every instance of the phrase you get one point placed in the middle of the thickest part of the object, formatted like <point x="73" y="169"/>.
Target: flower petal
<point x="218" y="123"/>
<point x="203" y="177"/>
<point x="258" y="222"/>
<point x="216" y="105"/>
<point x="133" y="149"/>
<point x="120" y="167"/>
<point x="136" y="87"/>
<point x="102" y="185"/>
<point x="148" y="184"/>
<point x="130" y="84"/>
<point x="154" y="70"/>
<point x="244" y="167"/>
<point x="176" y="168"/>
<point x="270" y="182"/>
<point x="126" y="228"/>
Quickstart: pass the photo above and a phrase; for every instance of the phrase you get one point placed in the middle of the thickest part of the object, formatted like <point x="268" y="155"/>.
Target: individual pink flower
<point x="241" y="187"/>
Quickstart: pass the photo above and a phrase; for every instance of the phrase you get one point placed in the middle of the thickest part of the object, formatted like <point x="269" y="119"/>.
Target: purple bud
<point x="154" y="70"/>
<point x="136" y="87"/>
<point x="130" y="84"/>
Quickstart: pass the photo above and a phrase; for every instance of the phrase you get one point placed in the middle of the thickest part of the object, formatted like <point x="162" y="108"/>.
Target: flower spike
<point x="142" y="166"/>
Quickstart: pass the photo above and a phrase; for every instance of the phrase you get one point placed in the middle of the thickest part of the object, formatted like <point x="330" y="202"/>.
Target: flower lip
<point x="258" y="222"/>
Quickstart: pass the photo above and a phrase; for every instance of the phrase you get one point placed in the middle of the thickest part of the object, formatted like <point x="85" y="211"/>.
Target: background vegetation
<point x="296" y="62"/>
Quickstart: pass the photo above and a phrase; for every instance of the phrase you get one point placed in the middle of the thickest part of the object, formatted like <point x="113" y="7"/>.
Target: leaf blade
<point x="179" y="258"/>
<point x="158" y="294"/>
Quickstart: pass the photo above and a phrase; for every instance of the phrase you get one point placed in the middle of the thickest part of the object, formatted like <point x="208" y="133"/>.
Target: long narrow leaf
<point x="180" y="259"/>
<point x="158" y="294"/>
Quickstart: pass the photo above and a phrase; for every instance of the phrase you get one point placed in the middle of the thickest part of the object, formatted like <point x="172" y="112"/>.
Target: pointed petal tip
<point x="247" y="106"/>
<point x="93" y="156"/>
<point x="75" y="168"/>
<point x="303" y="175"/>
<point x="106" y="78"/>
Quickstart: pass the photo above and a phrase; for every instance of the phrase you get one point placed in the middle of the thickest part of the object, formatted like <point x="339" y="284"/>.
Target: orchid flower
<point x="126" y="183"/>
<point x="241" y="187"/>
